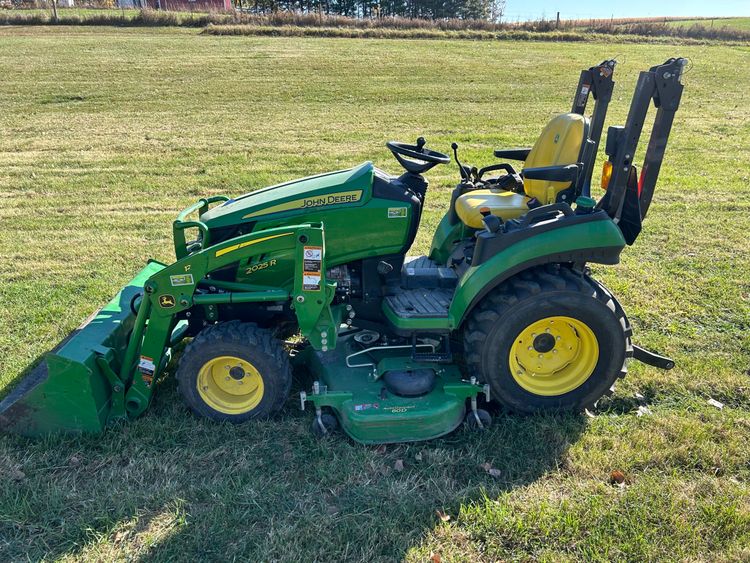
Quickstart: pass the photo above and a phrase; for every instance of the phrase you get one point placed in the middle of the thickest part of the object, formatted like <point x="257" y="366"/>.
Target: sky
<point x="581" y="9"/>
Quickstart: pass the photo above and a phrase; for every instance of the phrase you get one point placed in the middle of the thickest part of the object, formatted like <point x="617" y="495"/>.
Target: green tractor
<point x="399" y="348"/>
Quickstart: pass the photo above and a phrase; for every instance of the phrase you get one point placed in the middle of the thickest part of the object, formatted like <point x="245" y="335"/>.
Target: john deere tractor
<point x="397" y="348"/>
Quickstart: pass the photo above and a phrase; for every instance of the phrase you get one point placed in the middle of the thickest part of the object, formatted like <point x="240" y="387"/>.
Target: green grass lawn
<point x="107" y="134"/>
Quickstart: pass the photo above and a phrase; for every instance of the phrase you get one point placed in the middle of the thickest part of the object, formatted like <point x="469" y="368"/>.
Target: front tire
<point x="234" y="372"/>
<point x="548" y="339"/>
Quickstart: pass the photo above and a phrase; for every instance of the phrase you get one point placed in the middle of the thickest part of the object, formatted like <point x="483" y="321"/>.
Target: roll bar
<point x="626" y="200"/>
<point x="596" y="81"/>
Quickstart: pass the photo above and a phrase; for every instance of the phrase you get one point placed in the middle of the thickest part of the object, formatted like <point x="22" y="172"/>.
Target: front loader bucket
<point x="68" y="391"/>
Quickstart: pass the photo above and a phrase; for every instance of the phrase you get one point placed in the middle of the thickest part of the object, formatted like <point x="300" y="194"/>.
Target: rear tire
<point x="234" y="372"/>
<point x="511" y="341"/>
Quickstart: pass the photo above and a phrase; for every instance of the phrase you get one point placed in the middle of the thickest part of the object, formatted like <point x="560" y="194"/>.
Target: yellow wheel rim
<point x="230" y="385"/>
<point x="553" y="356"/>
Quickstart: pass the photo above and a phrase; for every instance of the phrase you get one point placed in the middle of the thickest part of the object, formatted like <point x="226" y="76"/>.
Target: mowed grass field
<point x="107" y="134"/>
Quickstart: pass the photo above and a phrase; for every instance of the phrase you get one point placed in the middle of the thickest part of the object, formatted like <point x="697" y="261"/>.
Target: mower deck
<point x="372" y="414"/>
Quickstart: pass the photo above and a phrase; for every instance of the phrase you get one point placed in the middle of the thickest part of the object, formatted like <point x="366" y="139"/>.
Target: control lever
<point x="461" y="168"/>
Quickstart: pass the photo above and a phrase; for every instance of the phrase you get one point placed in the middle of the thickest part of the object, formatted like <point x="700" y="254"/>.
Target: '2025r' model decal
<point x="251" y="269"/>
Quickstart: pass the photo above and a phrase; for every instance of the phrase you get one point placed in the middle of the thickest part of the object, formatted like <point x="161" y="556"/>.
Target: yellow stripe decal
<point x="234" y="247"/>
<point x="322" y="200"/>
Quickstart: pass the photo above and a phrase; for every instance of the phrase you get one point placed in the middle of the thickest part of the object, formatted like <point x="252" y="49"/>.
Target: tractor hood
<point x="352" y="187"/>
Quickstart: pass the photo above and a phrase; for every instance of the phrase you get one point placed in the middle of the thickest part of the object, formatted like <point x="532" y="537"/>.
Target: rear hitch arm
<point x="651" y="358"/>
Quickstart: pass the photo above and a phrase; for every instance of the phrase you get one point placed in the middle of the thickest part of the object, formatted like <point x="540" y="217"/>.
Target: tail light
<point x="606" y="174"/>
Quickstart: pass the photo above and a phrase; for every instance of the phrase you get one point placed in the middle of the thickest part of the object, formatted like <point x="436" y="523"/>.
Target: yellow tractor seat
<point x="507" y="205"/>
<point x="559" y="145"/>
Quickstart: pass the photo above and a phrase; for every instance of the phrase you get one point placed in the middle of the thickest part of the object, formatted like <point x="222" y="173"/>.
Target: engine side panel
<point x="365" y="213"/>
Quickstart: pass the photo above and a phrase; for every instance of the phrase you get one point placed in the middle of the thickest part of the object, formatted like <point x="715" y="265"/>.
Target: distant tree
<point x="497" y="10"/>
<point x="491" y="10"/>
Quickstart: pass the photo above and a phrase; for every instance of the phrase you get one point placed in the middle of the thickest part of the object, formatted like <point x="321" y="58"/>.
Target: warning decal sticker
<point x="146" y="365"/>
<point x="312" y="266"/>
<point x="313" y="258"/>
<point x="583" y="94"/>
<point x="311" y="281"/>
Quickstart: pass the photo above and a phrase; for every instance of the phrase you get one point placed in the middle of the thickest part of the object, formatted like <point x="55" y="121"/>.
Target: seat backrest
<point x="558" y="145"/>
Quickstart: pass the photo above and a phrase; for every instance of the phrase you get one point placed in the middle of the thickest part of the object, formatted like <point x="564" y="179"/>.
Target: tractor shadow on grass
<point x="172" y="487"/>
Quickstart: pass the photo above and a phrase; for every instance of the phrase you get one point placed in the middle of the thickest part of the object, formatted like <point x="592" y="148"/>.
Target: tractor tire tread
<point x="242" y="333"/>
<point x="543" y="279"/>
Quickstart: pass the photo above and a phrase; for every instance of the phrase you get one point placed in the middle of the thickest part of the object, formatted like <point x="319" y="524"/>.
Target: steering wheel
<point x="416" y="158"/>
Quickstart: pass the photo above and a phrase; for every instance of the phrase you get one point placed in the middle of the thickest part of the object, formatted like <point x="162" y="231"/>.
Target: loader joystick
<point x="465" y="171"/>
<point x="416" y="158"/>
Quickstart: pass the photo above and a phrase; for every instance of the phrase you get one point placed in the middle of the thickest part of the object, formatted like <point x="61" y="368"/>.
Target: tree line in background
<point x="489" y="10"/>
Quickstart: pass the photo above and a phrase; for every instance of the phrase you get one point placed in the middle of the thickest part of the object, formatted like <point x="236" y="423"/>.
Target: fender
<point x="497" y="257"/>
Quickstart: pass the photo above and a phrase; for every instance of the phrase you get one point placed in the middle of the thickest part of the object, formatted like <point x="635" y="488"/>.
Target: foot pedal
<point x="437" y="358"/>
<point x="432" y="357"/>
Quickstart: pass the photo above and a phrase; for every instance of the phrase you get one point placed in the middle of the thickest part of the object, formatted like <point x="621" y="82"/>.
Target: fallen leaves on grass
<point x="642" y="411"/>
<point x="491" y="471"/>
<point x="435" y="557"/>
<point x="399" y="465"/>
<point x="443" y="516"/>
<point x="617" y="477"/>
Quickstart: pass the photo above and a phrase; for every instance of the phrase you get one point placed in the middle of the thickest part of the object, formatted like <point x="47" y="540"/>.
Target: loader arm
<point x="106" y="370"/>
<point x="175" y="290"/>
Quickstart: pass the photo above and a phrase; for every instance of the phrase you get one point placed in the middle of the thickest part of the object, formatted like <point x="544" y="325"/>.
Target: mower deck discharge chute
<point x="398" y="348"/>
